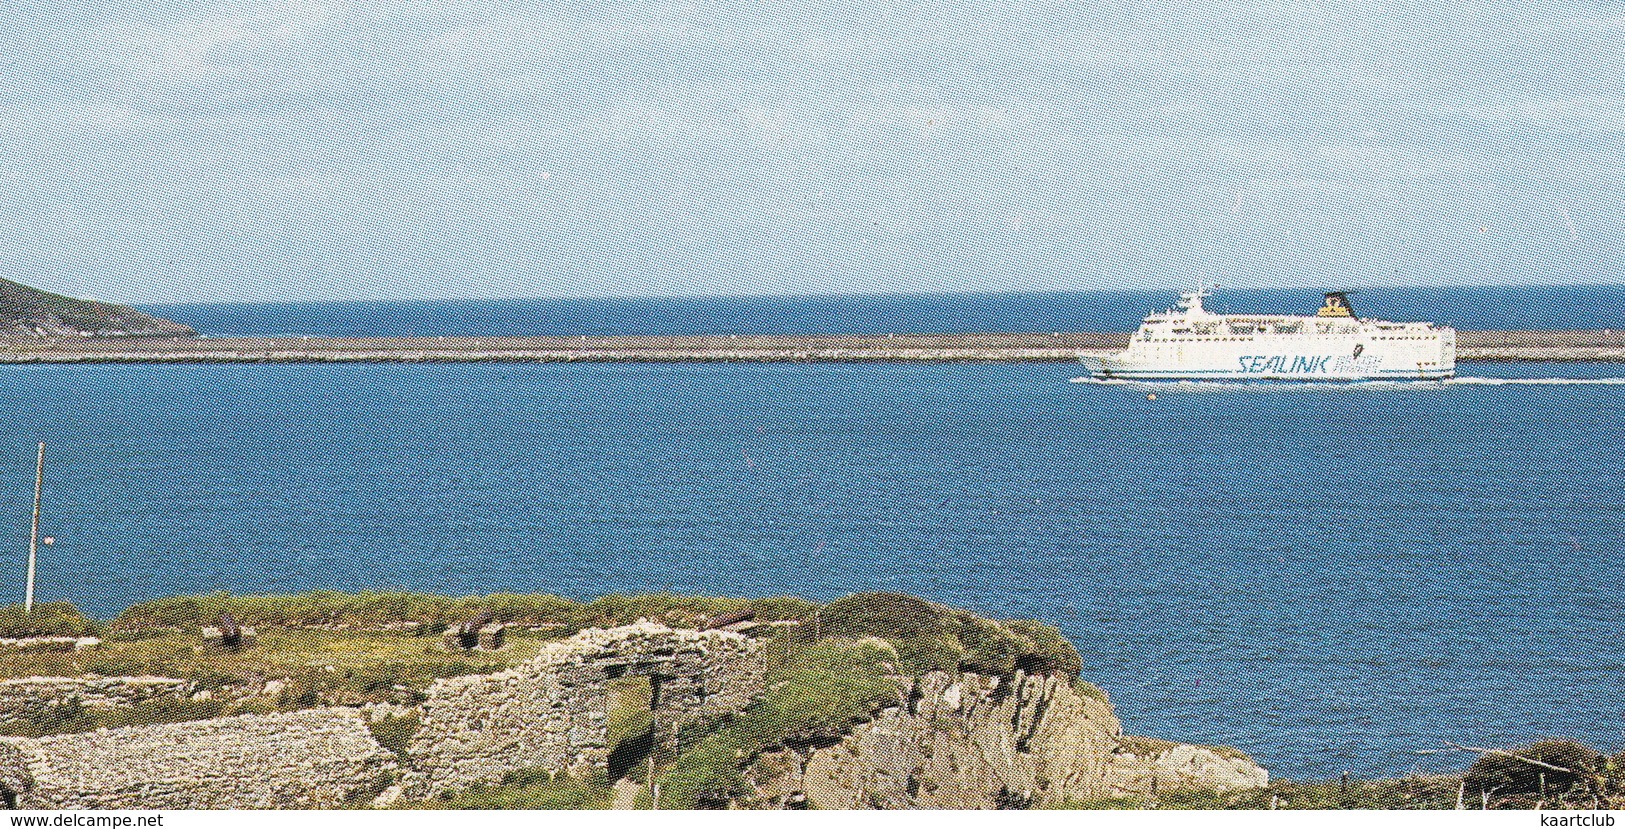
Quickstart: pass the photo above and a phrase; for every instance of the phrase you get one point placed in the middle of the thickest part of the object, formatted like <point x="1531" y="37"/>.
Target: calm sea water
<point x="1471" y="308"/>
<point x="1330" y="579"/>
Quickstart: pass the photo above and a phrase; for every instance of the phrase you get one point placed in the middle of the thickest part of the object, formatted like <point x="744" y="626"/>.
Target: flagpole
<point x="33" y="530"/>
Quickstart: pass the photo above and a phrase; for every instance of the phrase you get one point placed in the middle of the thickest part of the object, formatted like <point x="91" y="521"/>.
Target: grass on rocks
<point x="820" y="689"/>
<point x="309" y="668"/>
<point x="395" y="733"/>
<point x="48" y="619"/>
<point x="375" y="609"/>
<point x="529" y="790"/>
<point x="368" y="656"/>
<point x="73" y="718"/>
<point x="932" y="637"/>
<point x="832" y="670"/>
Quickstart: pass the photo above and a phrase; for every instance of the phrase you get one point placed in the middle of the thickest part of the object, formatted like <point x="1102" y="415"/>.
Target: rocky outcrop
<point x="950" y="741"/>
<point x="1143" y="766"/>
<point x="318" y="758"/>
<point x="975" y="742"/>
<point x="551" y="712"/>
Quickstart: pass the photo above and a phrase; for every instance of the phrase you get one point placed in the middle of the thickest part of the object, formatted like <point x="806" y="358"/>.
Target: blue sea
<point x="1332" y="579"/>
<point x="1497" y="308"/>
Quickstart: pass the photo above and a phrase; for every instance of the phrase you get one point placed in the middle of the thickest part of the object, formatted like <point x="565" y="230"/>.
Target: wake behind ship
<point x="1192" y="343"/>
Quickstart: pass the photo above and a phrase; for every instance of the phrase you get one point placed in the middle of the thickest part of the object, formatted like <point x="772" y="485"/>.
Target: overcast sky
<point x="177" y="150"/>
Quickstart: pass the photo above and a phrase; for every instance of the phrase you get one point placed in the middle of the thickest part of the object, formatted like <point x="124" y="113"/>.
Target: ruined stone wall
<point x="52" y="644"/>
<point x="950" y="740"/>
<point x="976" y="742"/>
<point x="318" y="758"/>
<point x="550" y="712"/>
<point x="30" y="697"/>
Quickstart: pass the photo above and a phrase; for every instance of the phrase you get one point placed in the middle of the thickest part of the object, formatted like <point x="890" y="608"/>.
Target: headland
<point x="872" y="701"/>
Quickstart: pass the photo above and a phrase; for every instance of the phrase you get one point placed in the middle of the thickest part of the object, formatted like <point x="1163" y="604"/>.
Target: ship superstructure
<point x="1192" y="343"/>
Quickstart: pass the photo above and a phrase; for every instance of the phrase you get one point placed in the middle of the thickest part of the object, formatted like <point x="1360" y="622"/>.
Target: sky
<point x="186" y="150"/>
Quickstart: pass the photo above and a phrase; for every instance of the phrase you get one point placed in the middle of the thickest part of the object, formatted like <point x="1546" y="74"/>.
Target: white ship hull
<point x="1193" y="344"/>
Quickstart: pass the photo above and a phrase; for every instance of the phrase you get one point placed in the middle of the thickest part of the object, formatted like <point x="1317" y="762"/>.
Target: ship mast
<point x="1191" y="301"/>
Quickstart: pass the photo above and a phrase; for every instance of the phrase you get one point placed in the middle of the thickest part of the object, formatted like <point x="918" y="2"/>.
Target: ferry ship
<point x="1193" y="343"/>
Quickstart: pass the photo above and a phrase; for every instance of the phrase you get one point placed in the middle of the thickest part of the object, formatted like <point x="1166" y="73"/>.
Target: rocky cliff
<point x="30" y="312"/>
<point x="967" y="741"/>
<point x="933" y="740"/>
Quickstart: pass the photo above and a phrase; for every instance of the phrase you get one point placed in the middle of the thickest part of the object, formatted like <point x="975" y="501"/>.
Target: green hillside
<point x="30" y="312"/>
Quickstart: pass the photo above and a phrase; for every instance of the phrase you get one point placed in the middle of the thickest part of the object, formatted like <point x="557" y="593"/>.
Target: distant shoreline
<point x="1474" y="346"/>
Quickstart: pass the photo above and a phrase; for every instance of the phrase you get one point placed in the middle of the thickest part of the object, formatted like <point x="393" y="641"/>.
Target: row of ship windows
<point x="1202" y="338"/>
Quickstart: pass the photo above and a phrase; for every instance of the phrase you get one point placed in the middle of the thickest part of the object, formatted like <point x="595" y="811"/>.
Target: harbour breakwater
<point x="1055" y="347"/>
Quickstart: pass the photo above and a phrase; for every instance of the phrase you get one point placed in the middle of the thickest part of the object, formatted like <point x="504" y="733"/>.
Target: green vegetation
<point x="48" y="619"/>
<point x="932" y="637"/>
<point x="73" y="718"/>
<point x="830" y="670"/>
<point x="314" y="667"/>
<point x="1091" y="690"/>
<point x="25" y="310"/>
<point x="376" y="609"/>
<point x="817" y="690"/>
<point x="529" y="790"/>
<point x="362" y="660"/>
<point x="395" y="733"/>
<point x="826" y="673"/>
<point x="630" y="699"/>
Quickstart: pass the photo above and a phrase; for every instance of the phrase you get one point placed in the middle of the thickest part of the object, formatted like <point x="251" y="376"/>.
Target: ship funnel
<point x="1337" y="305"/>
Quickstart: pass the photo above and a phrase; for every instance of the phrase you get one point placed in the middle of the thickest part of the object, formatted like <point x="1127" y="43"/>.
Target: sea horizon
<point x="1530" y="307"/>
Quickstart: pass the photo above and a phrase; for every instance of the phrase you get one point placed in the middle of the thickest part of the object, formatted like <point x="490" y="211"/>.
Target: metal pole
<point x="33" y="530"/>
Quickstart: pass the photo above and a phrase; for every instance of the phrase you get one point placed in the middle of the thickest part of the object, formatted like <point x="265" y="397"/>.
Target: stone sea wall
<point x="317" y="758"/>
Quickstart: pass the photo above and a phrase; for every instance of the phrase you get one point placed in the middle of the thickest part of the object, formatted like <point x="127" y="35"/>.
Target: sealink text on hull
<point x="1192" y="343"/>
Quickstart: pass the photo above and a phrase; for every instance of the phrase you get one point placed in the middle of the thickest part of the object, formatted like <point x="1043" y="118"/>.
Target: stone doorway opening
<point x="629" y="720"/>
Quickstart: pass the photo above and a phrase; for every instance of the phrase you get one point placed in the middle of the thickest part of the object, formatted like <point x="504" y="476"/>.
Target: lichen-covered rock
<point x="1139" y="766"/>
<point x="962" y="741"/>
<point x="968" y="741"/>
<point x="319" y="758"/>
<point x="551" y="711"/>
